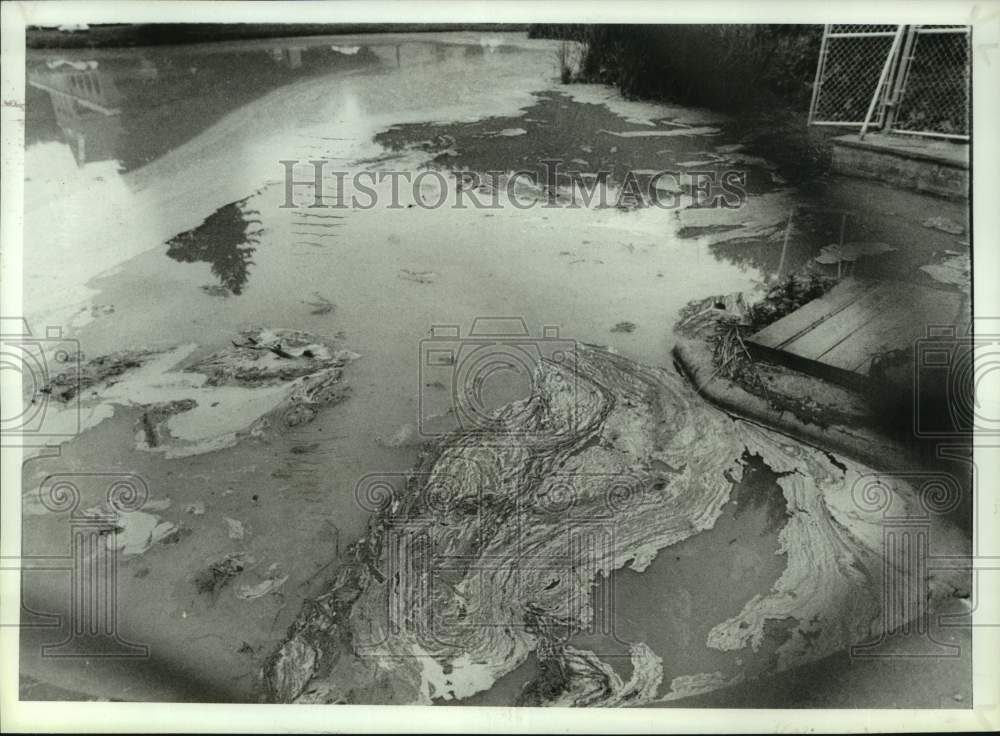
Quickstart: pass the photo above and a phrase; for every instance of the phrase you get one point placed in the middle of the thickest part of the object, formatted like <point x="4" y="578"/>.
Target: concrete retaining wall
<point x="935" y="167"/>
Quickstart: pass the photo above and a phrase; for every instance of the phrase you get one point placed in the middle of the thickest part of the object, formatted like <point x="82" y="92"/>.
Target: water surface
<point x="153" y="218"/>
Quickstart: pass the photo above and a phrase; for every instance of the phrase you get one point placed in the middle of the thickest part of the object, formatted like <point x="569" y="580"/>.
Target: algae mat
<point x="488" y="552"/>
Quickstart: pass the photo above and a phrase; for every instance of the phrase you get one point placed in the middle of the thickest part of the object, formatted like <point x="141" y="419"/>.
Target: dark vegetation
<point x="785" y="297"/>
<point x="731" y="355"/>
<point x="761" y="74"/>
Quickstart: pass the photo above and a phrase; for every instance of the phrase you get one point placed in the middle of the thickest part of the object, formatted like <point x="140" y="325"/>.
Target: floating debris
<point x="404" y="436"/>
<point x="249" y="592"/>
<point x="944" y="225"/>
<point x="322" y="305"/>
<point x="346" y="356"/>
<point x="216" y="290"/>
<point x="99" y="310"/>
<point x="850" y="252"/>
<point x="135" y="532"/>
<point x="71" y="380"/>
<point x="152" y="431"/>
<point x="197" y="508"/>
<point x="218" y="574"/>
<point x="695" y="231"/>
<point x="512" y="132"/>
<point x="703" y="130"/>
<point x="624" y="327"/>
<point x="420" y="277"/>
<point x="234" y="528"/>
<point x="267" y="379"/>
<point x="260" y="357"/>
<point x="956" y="269"/>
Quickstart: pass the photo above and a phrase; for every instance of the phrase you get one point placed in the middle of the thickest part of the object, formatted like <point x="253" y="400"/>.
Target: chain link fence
<point x="913" y="80"/>
<point x="850" y="68"/>
<point x="932" y="97"/>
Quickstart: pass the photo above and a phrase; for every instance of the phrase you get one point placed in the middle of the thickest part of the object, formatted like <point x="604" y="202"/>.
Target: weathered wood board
<point x="837" y="336"/>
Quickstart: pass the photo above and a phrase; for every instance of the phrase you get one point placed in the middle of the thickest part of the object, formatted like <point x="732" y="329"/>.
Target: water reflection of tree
<point x="225" y="241"/>
<point x="811" y="229"/>
<point x="745" y="253"/>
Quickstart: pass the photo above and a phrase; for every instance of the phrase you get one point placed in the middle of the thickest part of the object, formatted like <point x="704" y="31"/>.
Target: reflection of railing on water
<point x="290" y="56"/>
<point x="89" y="88"/>
<point x="397" y="53"/>
<point x="100" y="98"/>
<point x="86" y="105"/>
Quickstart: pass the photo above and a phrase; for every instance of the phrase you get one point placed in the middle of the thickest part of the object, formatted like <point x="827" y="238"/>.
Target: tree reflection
<point x="224" y="240"/>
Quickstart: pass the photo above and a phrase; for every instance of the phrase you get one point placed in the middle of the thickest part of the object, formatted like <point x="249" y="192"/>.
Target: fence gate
<point x="854" y="62"/>
<point x="932" y="93"/>
<point x="913" y="80"/>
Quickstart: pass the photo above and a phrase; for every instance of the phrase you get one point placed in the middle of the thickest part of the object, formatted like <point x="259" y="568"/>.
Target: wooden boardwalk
<point x="836" y="336"/>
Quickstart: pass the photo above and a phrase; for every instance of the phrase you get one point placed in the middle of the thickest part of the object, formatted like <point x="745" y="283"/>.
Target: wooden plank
<point x="878" y="336"/>
<point x="842" y="325"/>
<point x="812" y="367"/>
<point x="898" y="326"/>
<point x="806" y="318"/>
<point x="836" y="336"/>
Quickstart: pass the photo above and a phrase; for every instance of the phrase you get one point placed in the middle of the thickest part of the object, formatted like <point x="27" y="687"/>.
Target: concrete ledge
<point x="921" y="164"/>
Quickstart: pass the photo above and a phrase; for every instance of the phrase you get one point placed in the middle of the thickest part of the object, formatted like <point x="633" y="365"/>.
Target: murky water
<point x="153" y="218"/>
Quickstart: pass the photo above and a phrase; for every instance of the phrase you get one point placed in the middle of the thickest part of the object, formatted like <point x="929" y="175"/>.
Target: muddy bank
<point x="489" y="551"/>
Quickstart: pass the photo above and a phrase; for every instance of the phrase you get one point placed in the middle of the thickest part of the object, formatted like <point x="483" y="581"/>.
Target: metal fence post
<point x="899" y="81"/>
<point x="883" y="77"/>
<point x="818" y="82"/>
